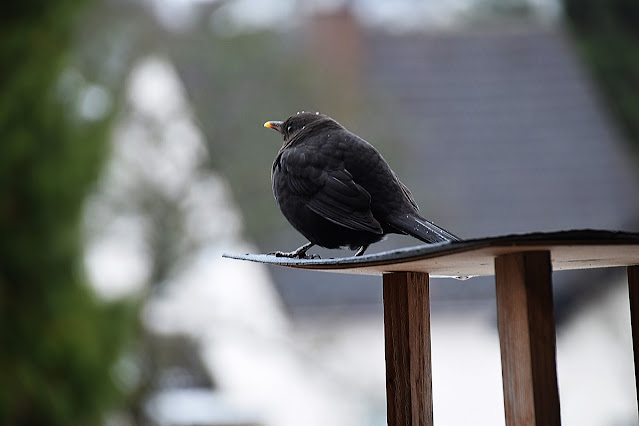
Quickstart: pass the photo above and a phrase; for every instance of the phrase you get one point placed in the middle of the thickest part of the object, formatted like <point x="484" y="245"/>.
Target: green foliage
<point x="57" y="342"/>
<point x="608" y="35"/>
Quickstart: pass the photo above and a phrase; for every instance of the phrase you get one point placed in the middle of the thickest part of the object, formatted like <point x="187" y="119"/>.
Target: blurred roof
<point x="506" y="129"/>
<point x="502" y="131"/>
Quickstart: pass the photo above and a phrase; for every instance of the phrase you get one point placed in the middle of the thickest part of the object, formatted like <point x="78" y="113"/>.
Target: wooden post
<point x="633" y="290"/>
<point x="407" y="340"/>
<point x="526" y="324"/>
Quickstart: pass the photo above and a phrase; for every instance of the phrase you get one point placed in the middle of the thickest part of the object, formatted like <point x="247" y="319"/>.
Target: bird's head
<point x="296" y="123"/>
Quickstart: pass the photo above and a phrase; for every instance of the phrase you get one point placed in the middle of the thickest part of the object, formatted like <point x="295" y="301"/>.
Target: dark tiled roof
<point x="504" y="131"/>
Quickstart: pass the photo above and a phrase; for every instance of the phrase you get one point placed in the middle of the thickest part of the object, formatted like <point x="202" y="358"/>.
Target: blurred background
<point x="132" y="155"/>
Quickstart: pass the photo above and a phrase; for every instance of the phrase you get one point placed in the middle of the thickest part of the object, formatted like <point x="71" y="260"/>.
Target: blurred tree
<point x="58" y="344"/>
<point x="235" y="87"/>
<point x="236" y="81"/>
<point x="607" y="32"/>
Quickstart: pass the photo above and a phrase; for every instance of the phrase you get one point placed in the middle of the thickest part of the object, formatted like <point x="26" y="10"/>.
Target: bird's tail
<point x="422" y="229"/>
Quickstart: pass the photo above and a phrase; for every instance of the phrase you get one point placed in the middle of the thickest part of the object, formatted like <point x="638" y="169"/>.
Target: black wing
<point x="331" y="194"/>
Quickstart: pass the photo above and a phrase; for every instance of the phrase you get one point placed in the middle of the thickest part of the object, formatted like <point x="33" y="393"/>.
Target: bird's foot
<point x="300" y="253"/>
<point x="294" y="255"/>
<point x="361" y="250"/>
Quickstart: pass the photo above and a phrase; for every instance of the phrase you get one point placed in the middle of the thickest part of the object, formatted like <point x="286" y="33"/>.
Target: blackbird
<point x="337" y="190"/>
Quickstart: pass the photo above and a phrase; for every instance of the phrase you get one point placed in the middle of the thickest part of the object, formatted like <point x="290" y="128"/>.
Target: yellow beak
<point x="275" y="125"/>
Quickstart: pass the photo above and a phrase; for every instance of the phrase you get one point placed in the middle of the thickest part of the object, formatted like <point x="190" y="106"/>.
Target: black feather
<point x="338" y="191"/>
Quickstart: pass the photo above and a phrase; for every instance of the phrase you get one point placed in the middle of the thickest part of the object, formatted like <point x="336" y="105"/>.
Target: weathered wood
<point x="407" y="341"/>
<point x="570" y="250"/>
<point x="633" y="290"/>
<point x="527" y="338"/>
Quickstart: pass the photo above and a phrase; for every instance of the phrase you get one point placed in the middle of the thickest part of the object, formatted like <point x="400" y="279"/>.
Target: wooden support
<point x="526" y="324"/>
<point x="407" y="341"/>
<point x="633" y="290"/>
<point x="524" y="310"/>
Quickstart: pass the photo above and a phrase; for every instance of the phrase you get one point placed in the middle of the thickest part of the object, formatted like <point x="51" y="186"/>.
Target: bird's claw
<point x="294" y="255"/>
<point x="300" y="253"/>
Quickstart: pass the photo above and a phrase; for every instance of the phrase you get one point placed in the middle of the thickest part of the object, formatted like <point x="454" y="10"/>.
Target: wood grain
<point x="527" y="338"/>
<point x="633" y="290"/>
<point x="407" y="342"/>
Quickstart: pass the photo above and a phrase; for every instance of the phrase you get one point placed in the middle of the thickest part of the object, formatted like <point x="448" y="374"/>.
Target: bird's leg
<point x="361" y="250"/>
<point x="300" y="253"/>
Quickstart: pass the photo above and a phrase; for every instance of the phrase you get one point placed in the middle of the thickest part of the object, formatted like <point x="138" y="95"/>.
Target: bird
<point x="338" y="191"/>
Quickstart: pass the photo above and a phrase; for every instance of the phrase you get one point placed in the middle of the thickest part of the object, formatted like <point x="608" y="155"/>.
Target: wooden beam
<point x="633" y="290"/>
<point x="407" y="341"/>
<point x="527" y="339"/>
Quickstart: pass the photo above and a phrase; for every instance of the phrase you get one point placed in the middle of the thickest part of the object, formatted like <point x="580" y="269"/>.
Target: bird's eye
<point x="288" y="129"/>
